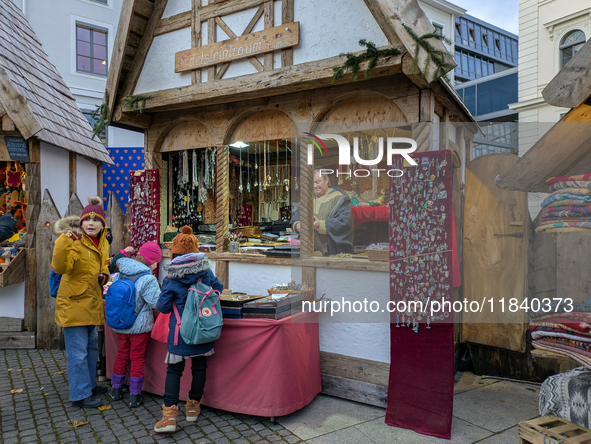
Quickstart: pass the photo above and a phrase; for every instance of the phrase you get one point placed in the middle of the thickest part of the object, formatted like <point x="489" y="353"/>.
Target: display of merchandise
<point x="12" y="192"/>
<point x="421" y="238"/>
<point x="193" y="196"/>
<point x="144" y="204"/>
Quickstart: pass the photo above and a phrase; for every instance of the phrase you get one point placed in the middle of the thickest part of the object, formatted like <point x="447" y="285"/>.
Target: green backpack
<point x="202" y="319"/>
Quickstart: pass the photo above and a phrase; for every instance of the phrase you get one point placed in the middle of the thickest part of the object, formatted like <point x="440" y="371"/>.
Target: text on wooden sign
<point x="248" y="45"/>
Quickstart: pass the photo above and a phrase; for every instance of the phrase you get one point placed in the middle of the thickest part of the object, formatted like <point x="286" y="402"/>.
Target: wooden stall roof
<point x="565" y="149"/>
<point x="33" y="93"/>
<point x="141" y="21"/>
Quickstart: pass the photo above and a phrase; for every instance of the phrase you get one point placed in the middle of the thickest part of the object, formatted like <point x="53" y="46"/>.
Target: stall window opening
<point x="91" y="49"/>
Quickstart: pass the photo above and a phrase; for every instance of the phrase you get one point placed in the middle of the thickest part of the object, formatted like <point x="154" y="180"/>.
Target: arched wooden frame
<point x="261" y="123"/>
<point x="357" y="107"/>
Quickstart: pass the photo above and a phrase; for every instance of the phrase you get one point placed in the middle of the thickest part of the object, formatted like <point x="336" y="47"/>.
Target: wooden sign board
<point x="17" y="147"/>
<point x="248" y="45"/>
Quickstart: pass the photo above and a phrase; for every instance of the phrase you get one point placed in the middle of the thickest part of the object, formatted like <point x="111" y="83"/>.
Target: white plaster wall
<point x="12" y="301"/>
<point x="328" y="29"/>
<point x="86" y="179"/>
<point x="158" y="72"/>
<point x="257" y="278"/>
<point x="121" y="138"/>
<point x="174" y="7"/>
<point x="55" y="175"/>
<point x="360" y="336"/>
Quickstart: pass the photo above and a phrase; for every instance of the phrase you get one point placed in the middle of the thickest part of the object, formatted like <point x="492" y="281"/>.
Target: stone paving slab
<point x="42" y="412"/>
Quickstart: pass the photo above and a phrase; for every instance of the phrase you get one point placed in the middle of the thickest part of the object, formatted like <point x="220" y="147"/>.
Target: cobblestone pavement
<point x="40" y="412"/>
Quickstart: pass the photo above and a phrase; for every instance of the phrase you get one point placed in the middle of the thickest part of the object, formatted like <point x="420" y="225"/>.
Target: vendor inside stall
<point x="333" y="219"/>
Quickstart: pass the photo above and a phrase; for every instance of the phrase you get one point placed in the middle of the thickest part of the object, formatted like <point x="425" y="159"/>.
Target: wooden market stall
<point x="265" y="102"/>
<point x="557" y="257"/>
<point x="47" y="156"/>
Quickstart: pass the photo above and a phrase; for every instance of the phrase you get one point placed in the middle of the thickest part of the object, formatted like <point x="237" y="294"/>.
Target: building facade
<point x="486" y="79"/>
<point x="551" y="32"/>
<point x="78" y="36"/>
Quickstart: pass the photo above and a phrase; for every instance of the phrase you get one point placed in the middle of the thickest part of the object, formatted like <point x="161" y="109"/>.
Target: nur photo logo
<point x="345" y="158"/>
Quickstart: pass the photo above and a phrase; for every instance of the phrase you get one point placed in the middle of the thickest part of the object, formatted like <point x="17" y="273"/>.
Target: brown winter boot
<point x="168" y="422"/>
<point x="192" y="410"/>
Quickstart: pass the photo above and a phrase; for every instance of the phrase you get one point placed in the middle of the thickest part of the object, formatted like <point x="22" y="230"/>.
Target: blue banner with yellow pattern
<point x="116" y="177"/>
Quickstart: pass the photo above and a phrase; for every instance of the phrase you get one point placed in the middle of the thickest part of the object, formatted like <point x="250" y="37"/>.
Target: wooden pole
<point x="306" y="204"/>
<point x="33" y="196"/>
<point x="223" y="195"/>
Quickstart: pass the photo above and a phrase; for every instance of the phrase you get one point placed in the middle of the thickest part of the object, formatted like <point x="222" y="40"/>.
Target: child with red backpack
<point x="133" y="323"/>
<point x="188" y="267"/>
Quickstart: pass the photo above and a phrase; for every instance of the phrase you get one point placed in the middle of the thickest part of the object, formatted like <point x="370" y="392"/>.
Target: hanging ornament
<point x="240" y="186"/>
<point x="268" y="179"/>
<point x="256" y="174"/>
<point x="248" y="171"/>
<point x="277" y="168"/>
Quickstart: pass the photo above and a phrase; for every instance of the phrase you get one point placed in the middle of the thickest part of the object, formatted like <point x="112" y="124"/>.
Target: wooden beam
<point x="373" y="372"/>
<point x="287" y="14"/>
<point x="11" y="324"/>
<point x="284" y="80"/>
<point x="309" y="278"/>
<point x="73" y="173"/>
<point x="7" y="123"/>
<point x="562" y="151"/>
<point x="211" y="38"/>
<point x="391" y="16"/>
<point x="353" y="390"/>
<point x="143" y="48"/>
<point x="426" y="106"/>
<point x="195" y="35"/>
<point x="131" y="119"/>
<point x="17" y="340"/>
<point x="224" y="67"/>
<point x="269" y="23"/>
<point x="222" y="180"/>
<point x="173" y="23"/>
<point x="119" y="50"/>
<point x="17" y="108"/>
<point x="31" y="289"/>
<point x="229" y="7"/>
<point x="572" y="85"/>
<point x="444" y="142"/>
<point x="222" y="272"/>
<point x="253" y="60"/>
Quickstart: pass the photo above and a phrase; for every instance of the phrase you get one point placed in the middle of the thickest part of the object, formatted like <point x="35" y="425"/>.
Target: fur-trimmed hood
<point x="68" y="223"/>
<point x="180" y="271"/>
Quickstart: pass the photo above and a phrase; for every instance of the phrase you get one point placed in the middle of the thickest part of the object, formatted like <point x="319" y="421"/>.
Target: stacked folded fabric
<point x="555" y="329"/>
<point x="569" y="205"/>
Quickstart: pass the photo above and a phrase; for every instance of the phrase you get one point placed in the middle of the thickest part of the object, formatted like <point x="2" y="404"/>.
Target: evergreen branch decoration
<point x="101" y="115"/>
<point x="136" y="102"/>
<point x="352" y="63"/>
<point x="437" y="56"/>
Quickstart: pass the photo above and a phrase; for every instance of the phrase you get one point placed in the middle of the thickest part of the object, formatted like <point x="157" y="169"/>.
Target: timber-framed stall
<point x="258" y="101"/>
<point x="46" y="147"/>
<point x="558" y="257"/>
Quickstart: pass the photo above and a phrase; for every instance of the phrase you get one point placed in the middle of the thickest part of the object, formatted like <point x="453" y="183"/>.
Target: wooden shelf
<point x="14" y="272"/>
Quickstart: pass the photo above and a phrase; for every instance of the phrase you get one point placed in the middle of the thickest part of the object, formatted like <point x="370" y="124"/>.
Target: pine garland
<point x="437" y="56"/>
<point x="102" y="115"/>
<point x="136" y="102"/>
<point x="372" y="54"/>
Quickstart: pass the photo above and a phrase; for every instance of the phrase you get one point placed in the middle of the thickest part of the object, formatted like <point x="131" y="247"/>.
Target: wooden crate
<point x="14" y="272"/>
<point x="552" y="430"/>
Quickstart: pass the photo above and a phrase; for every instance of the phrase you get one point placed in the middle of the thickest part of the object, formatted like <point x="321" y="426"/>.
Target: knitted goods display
<point x="569" y="205"/>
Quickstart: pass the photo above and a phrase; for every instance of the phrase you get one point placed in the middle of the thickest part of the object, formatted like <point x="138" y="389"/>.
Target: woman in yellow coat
<point x="81" y="255"/>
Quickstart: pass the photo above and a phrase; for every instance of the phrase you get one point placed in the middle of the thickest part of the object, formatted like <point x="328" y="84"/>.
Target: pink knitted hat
<point x="151" y="252"/>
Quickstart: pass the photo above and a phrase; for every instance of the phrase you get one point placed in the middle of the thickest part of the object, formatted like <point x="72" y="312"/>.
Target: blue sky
<point x="501" y="13"/>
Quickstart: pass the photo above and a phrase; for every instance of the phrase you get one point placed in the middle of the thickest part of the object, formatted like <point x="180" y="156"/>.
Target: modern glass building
<point x="486" y="79"/>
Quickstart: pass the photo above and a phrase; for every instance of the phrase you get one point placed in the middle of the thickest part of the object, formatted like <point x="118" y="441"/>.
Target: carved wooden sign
<point x="248" y="45"/>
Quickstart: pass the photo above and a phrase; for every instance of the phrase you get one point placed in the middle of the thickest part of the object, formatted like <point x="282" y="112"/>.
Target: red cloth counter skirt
<point x="261" y="367"/>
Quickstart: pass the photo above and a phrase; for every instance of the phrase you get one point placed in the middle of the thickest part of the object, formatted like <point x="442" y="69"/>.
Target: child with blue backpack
<point x="129" y="304"/>
<point x="187" y="267"/>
